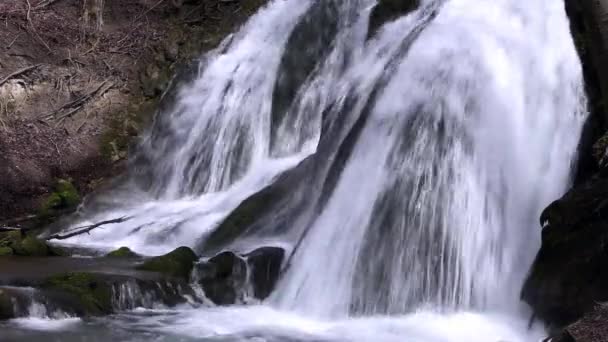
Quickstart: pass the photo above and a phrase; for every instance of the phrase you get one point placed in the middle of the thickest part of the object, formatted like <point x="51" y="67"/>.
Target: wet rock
<point x="223" y="278"/>
<point x="570" y="273"/>
<point x="309" y="42"/>
<point x="228" y="278"/>
<point x="178" y="263"/>
<point x="122" y="252"/>
<point x="85" y="294"/>
<point x="387" y="10"/>
<point x="94" y="295"/>
<point x="265" y="269"/>
<point x="6" y="305"/>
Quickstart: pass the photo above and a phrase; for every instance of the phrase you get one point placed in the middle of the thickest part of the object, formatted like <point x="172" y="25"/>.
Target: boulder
<point x="570" y="273"/>
<point x="265" y="269"/>
<point x="223" y="278"/>
<point x="122" y="252"/>
<point x="93" y="295"/>
<point x="16" y="243"/>
<point x="64" y="198"/>
<point x="178" y="263"/>
<point x="228" y="278"/>
<point x="387" y="10"/>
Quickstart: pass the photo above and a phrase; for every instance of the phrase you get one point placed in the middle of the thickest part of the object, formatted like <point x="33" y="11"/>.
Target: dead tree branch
<point x="86" y="229"/>
<point x="18" y="72"/>
<point x="76" y="105"/>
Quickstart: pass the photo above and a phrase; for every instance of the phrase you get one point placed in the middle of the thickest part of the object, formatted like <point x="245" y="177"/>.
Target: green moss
<point x="95" y="295"/>
<point x="123" y="252"/>
<point x="68" y="193"/>
<point x="30" y="246"/>
<point x="14" y="243"/>
<point x="64" y="197"/>
<point x="178" y="263"/>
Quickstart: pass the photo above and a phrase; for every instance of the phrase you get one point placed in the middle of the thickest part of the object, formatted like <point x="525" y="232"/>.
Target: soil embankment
<point x="73" y="97"/>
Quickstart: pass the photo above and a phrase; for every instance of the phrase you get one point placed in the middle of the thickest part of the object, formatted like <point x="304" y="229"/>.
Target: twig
<point x="44" y="4"/>
<point x="13" y="42"/>
<point x="148" y="10"/>
<point x="86" y="229"/>
<point x="79" y="103"/>
<point x="18" y="72"/>
<point x="29" y="10"/>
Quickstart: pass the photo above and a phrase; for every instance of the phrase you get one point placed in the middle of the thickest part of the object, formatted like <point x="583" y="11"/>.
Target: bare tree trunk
<point x="93" y="12"/>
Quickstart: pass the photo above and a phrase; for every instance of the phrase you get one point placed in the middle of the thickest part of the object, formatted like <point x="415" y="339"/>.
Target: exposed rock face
<point x="570" y="274"/>
<point x="591" y="38"/>
<point x="228" y="278"/>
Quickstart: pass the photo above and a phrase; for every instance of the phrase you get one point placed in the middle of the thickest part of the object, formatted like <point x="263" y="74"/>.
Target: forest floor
<point x="72" y="98"/>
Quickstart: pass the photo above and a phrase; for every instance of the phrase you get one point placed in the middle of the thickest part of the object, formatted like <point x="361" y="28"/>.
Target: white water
<point x="432" y="224"/>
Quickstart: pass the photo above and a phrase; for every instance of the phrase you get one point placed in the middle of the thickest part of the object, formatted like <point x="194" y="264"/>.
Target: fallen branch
<point x="76" y="105"/>
<point x="10" y="229"/>
<point x="44" y="4"/>
<point x="86" y="229"/>
<point x="18" y="72"/>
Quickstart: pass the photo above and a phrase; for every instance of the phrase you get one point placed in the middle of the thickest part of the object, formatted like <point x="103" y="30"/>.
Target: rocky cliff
<point x="569" y="278"/>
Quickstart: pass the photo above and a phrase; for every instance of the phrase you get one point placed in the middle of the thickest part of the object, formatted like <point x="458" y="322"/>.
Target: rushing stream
<point x="418" y="158"/>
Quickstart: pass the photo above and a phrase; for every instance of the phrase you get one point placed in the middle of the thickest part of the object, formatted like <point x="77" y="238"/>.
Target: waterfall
<point x="410" y="166"/>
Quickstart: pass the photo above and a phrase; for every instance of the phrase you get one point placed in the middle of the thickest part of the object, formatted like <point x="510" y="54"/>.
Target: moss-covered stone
<point x="94" y="295"/>
<point x="122" y="252"/>
<point x="16" y="243"/>
<point x="178" y="263"/>
<point x="30" y="246"/>
<point x="64" y="198"/>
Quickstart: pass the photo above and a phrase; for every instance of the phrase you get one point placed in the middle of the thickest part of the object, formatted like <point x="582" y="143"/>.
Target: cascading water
<point x="413" y="164"/>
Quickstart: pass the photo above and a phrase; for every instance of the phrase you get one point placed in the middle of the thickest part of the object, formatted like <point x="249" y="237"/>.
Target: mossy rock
<point x="94" y="295"/>
<point x="6" y="251"/>
<point x="9" y="238"/>
<point x="65" y="197"/>
<point x="30" y="246"/>
<point x="14" y="243"/>
<point x="122" y="252"/>
<point x="178" y="263"/>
